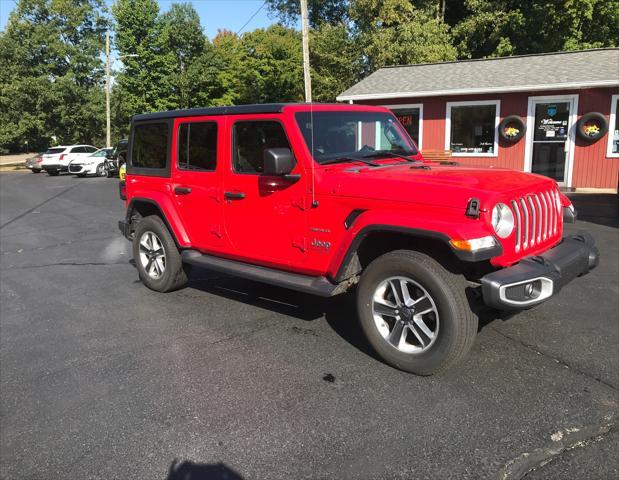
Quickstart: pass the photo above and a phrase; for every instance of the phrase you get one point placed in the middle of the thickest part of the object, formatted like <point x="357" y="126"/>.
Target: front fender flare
<point x="338" y="268"/>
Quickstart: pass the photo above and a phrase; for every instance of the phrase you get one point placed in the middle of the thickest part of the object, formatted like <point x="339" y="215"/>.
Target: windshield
<point x="53" y="151"/>
<point x="100" y="153"/>
<point x="353" y="134"/>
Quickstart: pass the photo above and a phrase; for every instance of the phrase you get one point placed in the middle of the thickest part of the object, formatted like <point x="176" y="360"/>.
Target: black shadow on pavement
<point x="201" y="471"/>
<point x="600" y="208"/>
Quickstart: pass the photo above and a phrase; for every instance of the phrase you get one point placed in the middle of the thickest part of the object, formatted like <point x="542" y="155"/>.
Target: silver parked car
<point x="34" y="163"/>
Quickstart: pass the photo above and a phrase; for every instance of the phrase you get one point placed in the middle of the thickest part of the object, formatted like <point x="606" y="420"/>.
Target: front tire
<point x="415" y="313"/>
<point x="156" y="256"/>
<point x="100" y="170"/>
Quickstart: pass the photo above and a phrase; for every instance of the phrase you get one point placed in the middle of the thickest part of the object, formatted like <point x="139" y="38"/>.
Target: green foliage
<point x="498" y="27"/>
<point x="271" y="66"/>
<point x="335" y="60"/>
<point x="51" y="80"/>
<point x="143" y="85"/>
<point x="320" y="12"/>
<point x="183" y="43"/>
<point x="394" y="32"/>
<point x="51" y="76"/>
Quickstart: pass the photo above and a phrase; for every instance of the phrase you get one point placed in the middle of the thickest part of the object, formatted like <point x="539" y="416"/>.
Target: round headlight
<point x="502" y="220"/>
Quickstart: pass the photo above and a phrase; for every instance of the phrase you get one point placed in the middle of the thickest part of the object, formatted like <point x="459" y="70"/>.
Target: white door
<point x="550" y="137"/>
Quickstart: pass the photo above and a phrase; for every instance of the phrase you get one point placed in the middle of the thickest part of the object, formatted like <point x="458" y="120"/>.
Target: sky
<point x="214" y="14"/>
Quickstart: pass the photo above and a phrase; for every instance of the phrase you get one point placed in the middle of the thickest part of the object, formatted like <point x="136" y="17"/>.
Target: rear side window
<point x="252" y="139"/>
<point x="197" y="146"/>
<point x="150" y="145"/>
<point x="54" y="151"/>
<point x="78" y="150"/>
<point x="90" y="149"/>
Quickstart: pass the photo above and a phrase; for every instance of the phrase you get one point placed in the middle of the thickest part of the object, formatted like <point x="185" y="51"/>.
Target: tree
<point x="396" y="32"/>
<point x="271" y="66"/>
<point x="144" y="82"/>
<point x="216" y="73"/>
<point x="182" y="42"/>
<point x="319" y="11"/>
<point x="51" y="80"/>
<point x="335" y="59"/>
<point x="485" y="28"/>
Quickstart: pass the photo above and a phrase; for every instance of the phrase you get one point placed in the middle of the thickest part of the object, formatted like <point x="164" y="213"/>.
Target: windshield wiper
<point x="350" y="159"/>
<point x="386" y="153"/>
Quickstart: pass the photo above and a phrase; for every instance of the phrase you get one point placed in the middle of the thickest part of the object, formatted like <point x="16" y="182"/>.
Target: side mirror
<point x="278" y="162"/>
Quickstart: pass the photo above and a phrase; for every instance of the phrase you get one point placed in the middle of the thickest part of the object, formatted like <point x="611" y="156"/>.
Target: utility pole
<point x="108" y="133"/>
<point x="306" y="62"/>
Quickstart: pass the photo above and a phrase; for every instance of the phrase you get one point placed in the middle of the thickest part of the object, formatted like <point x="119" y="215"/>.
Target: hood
<point x="435" y="184"/>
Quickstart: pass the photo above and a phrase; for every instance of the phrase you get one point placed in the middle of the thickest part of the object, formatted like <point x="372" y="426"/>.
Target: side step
<point x="302" y="283"/>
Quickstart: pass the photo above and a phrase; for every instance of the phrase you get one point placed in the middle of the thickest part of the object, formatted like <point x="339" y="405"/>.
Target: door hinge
<point x="299" y="203"/>
<point x="300" y="243"/>
<point x="216" y="230"/>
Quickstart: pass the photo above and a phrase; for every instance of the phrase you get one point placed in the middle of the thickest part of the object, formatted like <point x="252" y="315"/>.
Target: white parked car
<point x="92" y="164"/>
<point x="57" y="159"/>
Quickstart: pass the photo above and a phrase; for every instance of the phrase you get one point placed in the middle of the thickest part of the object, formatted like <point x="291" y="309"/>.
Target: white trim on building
<point x="611" y="127"/>
<point x="472" y="103"/>
<point x="479" y="91"/>
<point x="528" y="146"/>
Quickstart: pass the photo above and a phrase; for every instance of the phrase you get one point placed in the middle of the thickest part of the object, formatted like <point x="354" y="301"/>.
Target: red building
<point x="554" y="114"/>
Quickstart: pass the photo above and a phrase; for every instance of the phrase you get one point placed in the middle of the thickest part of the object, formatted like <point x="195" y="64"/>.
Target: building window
<point x="613" y="128"/>
<point x="471" y="128"/>
<point x="411" y="118"/>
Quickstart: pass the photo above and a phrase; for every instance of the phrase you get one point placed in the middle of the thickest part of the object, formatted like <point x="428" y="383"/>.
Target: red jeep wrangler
<point x="320" y="198"/>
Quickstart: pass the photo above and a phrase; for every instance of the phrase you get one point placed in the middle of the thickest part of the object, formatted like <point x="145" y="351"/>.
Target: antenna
<point x="307" y="78"/>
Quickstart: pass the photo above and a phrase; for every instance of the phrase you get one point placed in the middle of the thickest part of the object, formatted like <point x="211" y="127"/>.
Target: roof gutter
<point x="479" y="91"/>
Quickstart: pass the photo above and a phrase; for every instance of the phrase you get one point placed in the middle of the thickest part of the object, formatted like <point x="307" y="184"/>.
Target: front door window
<point x="550" y="139"/>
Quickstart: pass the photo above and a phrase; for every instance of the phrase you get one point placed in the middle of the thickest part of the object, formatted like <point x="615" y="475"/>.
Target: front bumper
<point x="79" y="168"/>
<point x="535" y="279"/>
<point x="54" y="167"/>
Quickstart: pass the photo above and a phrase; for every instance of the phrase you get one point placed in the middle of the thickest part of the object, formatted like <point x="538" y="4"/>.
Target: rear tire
<point x="53" y="173"/>
<point x="36" y="170"/>
<point x="423" y="329"/>
<point x="156" y="256"/>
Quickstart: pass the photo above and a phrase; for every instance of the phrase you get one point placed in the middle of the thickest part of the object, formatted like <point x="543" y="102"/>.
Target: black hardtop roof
<point x="198" y="112"/>
<point x="231" y="110"/>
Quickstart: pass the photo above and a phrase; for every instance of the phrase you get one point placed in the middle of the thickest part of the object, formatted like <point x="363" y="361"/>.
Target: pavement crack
<point x="21" y="215"/>
<point x="556" y="360"/>
<point x="563" y="441"/>
<point x="62" y="264"/>
<point x="56" y="245"/>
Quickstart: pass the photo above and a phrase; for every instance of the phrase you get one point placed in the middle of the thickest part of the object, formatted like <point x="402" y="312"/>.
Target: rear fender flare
<point x="168" y="214"/>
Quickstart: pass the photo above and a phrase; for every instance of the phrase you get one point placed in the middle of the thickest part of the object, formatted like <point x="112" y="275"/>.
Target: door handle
<point x="234" y="195"/>
<point x="182" y="190"/>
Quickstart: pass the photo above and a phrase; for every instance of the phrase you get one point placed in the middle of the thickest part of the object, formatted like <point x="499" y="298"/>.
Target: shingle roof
<point x="548" y="71"/>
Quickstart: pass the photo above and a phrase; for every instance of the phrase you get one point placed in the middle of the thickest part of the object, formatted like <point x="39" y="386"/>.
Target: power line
<point x="252" y="17"/>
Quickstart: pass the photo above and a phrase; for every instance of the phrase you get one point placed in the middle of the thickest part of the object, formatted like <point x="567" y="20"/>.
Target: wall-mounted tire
<point x="516" y="122"/>
<point x="592" y="118"/>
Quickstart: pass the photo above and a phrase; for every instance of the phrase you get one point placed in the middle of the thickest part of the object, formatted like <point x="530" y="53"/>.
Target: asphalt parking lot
<point x="101" y="378"/>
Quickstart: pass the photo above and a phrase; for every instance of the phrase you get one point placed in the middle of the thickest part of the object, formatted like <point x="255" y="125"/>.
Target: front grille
<point x="75" y="168"/>
<point x="537" y="219"/>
